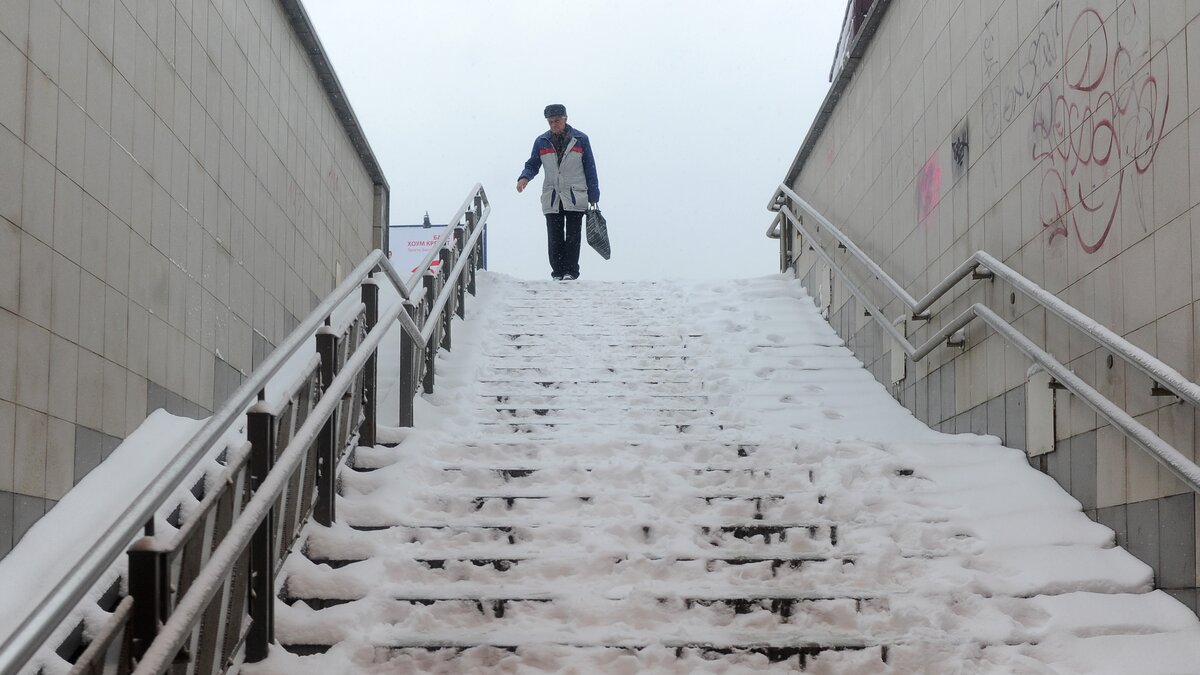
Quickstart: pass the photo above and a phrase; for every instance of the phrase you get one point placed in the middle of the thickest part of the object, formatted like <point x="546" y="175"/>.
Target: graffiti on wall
<point x="1094" y="137"/>
<point x="929" y="188"/>
<point x="960" y="150"/>
<point x="1014" y="86"/>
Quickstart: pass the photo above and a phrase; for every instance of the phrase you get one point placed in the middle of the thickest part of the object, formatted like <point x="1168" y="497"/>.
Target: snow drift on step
<point x="698" y="477"/>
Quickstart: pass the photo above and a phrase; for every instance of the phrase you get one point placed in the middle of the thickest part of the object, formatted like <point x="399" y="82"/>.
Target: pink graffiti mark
<point x="929" y="188"/>
<point x="1104" y="118"/>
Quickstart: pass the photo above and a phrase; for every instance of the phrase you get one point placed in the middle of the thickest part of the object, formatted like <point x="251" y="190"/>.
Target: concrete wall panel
<point x="1058" y="136"/>
<point x="178" y="190"/>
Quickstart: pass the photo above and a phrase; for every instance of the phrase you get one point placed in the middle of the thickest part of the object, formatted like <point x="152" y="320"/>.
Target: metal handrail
<point x="1152" y="367"/>
<point x="58" y="601"/>
<point x="175" y="632"/>
<point x="1176" y="462"/>
<point x="414" y="279"/>
<point x="444" y="296"/>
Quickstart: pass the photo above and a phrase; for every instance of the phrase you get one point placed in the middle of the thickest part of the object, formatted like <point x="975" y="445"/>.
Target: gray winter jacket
<point x="570" y="181"/>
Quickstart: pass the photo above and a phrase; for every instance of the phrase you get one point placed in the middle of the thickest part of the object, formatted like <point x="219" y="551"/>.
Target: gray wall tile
<point x="1144" y="533"/>
<point x="1114" y="518"/>
<point x="108" y="444"/>
<point x="979" y="420"/>
<point x="995" y="417"/>
<point x="6" y="522"/>
<point x="1177" y="541"/>
<point x="948" y="410"/>
<point x="156" y="397"/>
<point x="1014" y="418"/>
<point x="88" y="451"/>
<point x="1083" y="469"/>
<point x="921" y="401"/>
<point x="26" y="511"/>
<point x="261" y="348"/>
<point x="226" y="380"/>
<point x="935" y="396"/>
<point x="1186" y="596"/>
<point x="1058" y="463"/>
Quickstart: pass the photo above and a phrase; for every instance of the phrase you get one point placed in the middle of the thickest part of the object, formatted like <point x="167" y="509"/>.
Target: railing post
<point x="481" y="244"/>
<point x="431" y="293"/>
<point x="785" y="241"/>
<point x="149" y="587"/>
<point x="367" y="431"/>
<point x="323" y="510"/>
<point x="261" y="432"/>
<point x="408" y="370"/>
<point x="460" y="286"/>
<point x="448" y="259"/>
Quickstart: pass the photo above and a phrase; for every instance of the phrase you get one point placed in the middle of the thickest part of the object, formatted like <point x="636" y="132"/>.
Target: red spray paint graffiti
<point x="1105" y="123"/>
<point x="929" y="188"/>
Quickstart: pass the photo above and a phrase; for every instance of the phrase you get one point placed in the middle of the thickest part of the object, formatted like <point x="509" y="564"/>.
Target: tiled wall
<point x="1055" y="135"/>
<point x="175" y="191"/>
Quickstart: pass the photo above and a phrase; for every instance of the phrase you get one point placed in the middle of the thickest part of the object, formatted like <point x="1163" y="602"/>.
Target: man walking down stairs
<point x="693" y="477"/>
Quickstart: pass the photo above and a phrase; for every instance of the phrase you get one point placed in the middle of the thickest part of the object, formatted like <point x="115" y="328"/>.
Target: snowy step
<point x="627" y="401"/>
<point x="506" y="448"/>
<point x="692" y="422"/>
<point x="584" y="373"/>
<point x="552" y="413"/>
<point x="686" y="478"/>
<point x="527" y="385"/>
<point x="644" y="336"/>
<point x="476" y="577"/>
<point x="697" y="475"/>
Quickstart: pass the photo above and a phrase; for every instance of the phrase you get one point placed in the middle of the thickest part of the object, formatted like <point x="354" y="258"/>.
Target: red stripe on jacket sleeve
<point x="545" y="151"/>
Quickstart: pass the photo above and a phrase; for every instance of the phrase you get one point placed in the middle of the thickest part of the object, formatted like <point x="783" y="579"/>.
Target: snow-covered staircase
<point x="698" y="477"/>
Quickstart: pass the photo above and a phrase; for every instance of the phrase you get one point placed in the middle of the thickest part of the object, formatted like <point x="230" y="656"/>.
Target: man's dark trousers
<point x="563" y="230"/>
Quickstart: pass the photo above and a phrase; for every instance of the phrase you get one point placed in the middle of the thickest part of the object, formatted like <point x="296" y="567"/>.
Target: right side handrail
<point x="1161" y="373"/>
<point x="1176" y="462"/>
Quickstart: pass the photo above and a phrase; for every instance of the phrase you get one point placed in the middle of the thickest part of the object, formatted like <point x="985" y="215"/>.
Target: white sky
<point x="695" y="110"/>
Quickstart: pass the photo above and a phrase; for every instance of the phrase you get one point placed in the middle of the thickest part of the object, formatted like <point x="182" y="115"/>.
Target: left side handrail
<point x="352" y="366"/>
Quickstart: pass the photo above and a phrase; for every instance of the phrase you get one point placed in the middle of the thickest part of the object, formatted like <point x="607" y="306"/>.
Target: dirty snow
<point x="622" y="433"/>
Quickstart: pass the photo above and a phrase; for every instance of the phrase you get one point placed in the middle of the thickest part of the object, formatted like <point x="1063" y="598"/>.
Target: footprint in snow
<point x="764" y="372"/>
<point x="832" y="414"/>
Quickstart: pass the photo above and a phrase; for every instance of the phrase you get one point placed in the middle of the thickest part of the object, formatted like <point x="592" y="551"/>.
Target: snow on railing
<point x="981" y="265"/>
<point x="300" y="413"/>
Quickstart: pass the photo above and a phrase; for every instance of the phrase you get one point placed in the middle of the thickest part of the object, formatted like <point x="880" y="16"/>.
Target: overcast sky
<point x="695" y="109"/>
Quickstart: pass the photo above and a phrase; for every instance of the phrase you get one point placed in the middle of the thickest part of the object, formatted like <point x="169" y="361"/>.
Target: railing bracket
<point x="921" y="317"/>
<point x="1055" y="384"/>
<point x="1157" y="389"/>
<point x="985" y="274"/>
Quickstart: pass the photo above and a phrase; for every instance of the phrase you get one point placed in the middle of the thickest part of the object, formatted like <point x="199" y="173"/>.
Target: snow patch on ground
<point x="963" y="558"/>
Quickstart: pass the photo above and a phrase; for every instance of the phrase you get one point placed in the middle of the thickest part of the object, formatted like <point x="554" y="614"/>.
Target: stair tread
<point x="612" y="469"/>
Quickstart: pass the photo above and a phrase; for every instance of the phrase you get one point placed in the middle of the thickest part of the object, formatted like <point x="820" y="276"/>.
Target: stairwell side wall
<point x="176" y="189"/>
<point x="1056" y="135"/>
